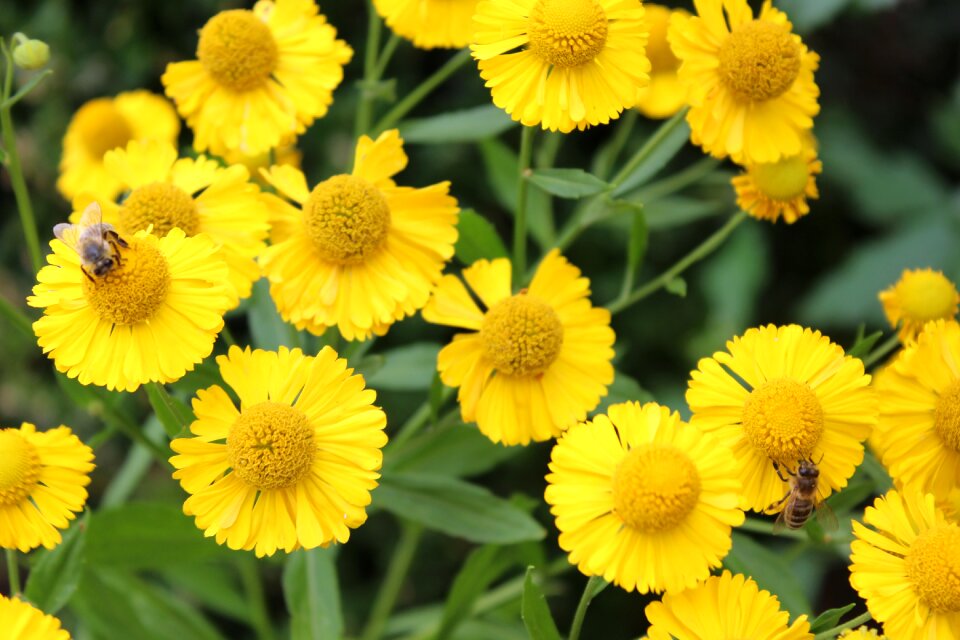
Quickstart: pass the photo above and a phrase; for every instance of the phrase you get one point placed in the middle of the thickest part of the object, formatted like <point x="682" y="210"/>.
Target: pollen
<point x="927" y="295"/>
<point x="134" y="290"/>
<point x="933" y="566"/>
<point x="238" y="50"/>
<point x="783" y="180"/>
<point x="567" y="33"/>
<point x="783" y="419"/>
<point x="759" y="61"/>
<point x="19" y="467"/>
<point x="347" y="218"/>
<point x="946" y="416"/>
<point x="159" y="204"/>
<point x="521" y="335"/>
<point x="102" y="127"/>
<point x="655" y="487"/>
<point x="271" y="446"/>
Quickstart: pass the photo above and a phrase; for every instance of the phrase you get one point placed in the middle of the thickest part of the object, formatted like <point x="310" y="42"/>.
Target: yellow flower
<point x="919" y="424"/>
<point x="196" y="195"/>
<point x="724" y="606"/>
<point x="430" y="23"/>
<point x="539" y="360"/>
<point x="150" y="318"/>
<point x="358" y="252"/>
<point x="906" y="567"/>
<point x="21" y="621"/>
<point x="784" y="394"/>
<point x="750" y="80"/>
<point x="104" y="124"/>
<point x="772" y="189"/>
<point x="285" y="154"/>
<point x="643" y="499"/>
<point x="295" y="465"/>
<point x="43" y="479"/>
<point x="861" y="633"/>
<point x="919" y="296"/>
<point x="562" y="64"/>
<point x="260" y="77"/>
<point x="665" y="94"/>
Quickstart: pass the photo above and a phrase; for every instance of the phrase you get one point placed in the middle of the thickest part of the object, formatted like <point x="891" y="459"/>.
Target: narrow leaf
<point x="770" y="571"/>
<point x="312" y="594"/>
<point x="637" y="247"/>
<point x="829" y="619"/>
<point x="267" y="328"/>
<point x="468" y="125"/>
<point x="407" y="368"/>
<point x="477" y="239"/>
<point x="456" y="449"/>
<point x="55" y="575"/>
<point x="535" y="612"/>
<point x="567" y="183"/>
<point x="173" y="413"/>
<point x="864" y="344"/>
<point x="676" y="135"/>
<point x="482" y="567"/>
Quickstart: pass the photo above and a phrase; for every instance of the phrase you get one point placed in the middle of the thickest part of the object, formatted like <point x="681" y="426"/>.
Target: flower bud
<point x="28" y="53"/>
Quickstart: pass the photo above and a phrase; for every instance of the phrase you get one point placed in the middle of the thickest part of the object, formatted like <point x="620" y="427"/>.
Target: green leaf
<point x="267" y="329"/>
<point x="145" y="535"/>
<point x="407" y="368"/>
<point x="770" y="571"/>
<point x="502" y="172"/>
<point x="468" y="125"/>
<point x="668" y="148"/>
<point x="173" y="413"/>
<point x="212" y="584"/>
<point x="829" y="619"/>
<point x="851" y="496"/>
<point x="637" y="246"/>
<point x="482" y="567"/>
<point x="673" y="211"/>
<point x="56" y="573"/>
<point x="535" y="612"/>
<point x="567" y="183"/>
<point x="864" y="344"/>
<point x="455" y="508"/>
<point x="677" y="286"/>
<point x="477" y="239"/>
<point x="457" y="449"/>
<point x="623" y="389"/>
<point x="312" y="594"/>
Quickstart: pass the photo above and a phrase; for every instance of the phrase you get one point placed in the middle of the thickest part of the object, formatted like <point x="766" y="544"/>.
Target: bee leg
<point x="116" y="237"/>
<point x="115" y="243"/>
<point x="776" y="467"/>
<point x="778" y="505"/>
<point x="87" y="274"/>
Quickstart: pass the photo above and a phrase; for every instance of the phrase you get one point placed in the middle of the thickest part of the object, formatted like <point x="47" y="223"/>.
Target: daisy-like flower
<point x="539" y="360"/>
<point x="861" y="633"/>
<point x="770" y="190"/>
<point x="643" y="499"/>
<point x="295" y="465"/>
<point x="104" y="124"/>
<point x="43" y="479"/>
<point x="151" y="317"/>
<point x="918" y="297"/>
<point x="784" y="394"/>
<point x="357" y="252"/>
<point x="724" y="606"/>
<point x="750" y="80"/>
<point x="260" y="76"/>
<point x="430" y="23"/>
<point x="905" y="567"/>
<point x="196" y="195"/>
<point x="919" y="424"/>
<point x="21" y="621"/>
<point x="562" y="64"/>
<point x="665" y="94"/>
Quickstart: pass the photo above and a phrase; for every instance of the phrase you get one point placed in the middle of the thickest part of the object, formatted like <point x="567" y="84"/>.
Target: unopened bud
<point x="29" y="53"/>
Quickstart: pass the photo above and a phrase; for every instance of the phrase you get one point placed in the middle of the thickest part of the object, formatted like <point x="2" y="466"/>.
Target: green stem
<point x="13" y="571"/>
<point x="419" y="418"/>
<point x="644" y="152"/>
<point x="621" y="134"/>
<point x="386" y="598"/>
<point x="133" y="431"/>
<point x="256" y="599"/>
<point x="594" y="585"/>
<point x="520" y="219"/>
<point x="227" y="336"/>
<point x="680" y="180"/>
<point x="24" y="207"/>
<point x="16" y="317"/>
<point x="830" y="634"/>
<point x="365" y="108"/>
<point x="547" y="151"/>
<point x="414" y="98"/>
<point x="755" y="525"/>
<point x="384" y="58"/>
<point x="704" y="249"/>
<point x="877" y="354"/>
<point x="637" y="225"/>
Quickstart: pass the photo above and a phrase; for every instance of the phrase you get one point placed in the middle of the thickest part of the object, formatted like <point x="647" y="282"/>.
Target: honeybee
<point x="802" y="500"/>
<point x="95" y="241"/>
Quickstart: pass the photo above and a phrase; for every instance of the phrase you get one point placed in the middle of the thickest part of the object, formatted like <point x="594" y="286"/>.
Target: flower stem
<point x="13" y="571"/>
<point x="520" y="219"/>
<point x="365" y="108"/>
<point x="877" y="354"/>
<point x="644" y="152"/>
<point x="414" y="98"/>
<point x="417" y="420"/>
<point x="680" y="180"/>
<point x="594" y="585"/>
<point x="385" y="54"/>
<point x="256" y="600"/>
<point x="830" y="634"/>
<point x="704" y="249"/>
<point x="619" y="141"/>
<point x="16" y="317"/>
<point x="400" y="563"/>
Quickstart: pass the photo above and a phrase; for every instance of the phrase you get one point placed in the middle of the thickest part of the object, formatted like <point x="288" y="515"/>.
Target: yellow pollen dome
<point x="933" y="566"/>
<point x="102" y="127"/>
<point x="133" y="291"/>
<point x="782" y="180"/>
<point x="567" y="33"/>
<point x="946" y="416"/>
<point x="655" y="487"/>
<point x="347" y="218"/>
<point x="162" y="205"/>
<point x="237" y="50"/>
<point x="784" y="419"/>
<point x="19" y="467"/>
<point x="759" y="61"/>
<point x="521" y="335"/>
<point x="271" y="446"/>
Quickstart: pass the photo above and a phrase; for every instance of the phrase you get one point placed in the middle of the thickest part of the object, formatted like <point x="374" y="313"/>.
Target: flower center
<point x="567" y="33"/>
<point x="783" y="419"/>
<point x="19" y="467"/>
<point x="655" y="486"/>
<point x="933" y="565"/>
<point x="783" y="180"/>
<point x="102" y="127"/>
<point x="759" y="60"/>
<point x="347" y="218"/>
<point x="162" y="205"/>
<point x="661" y="55"/>
<point x="927" y="295"/>
<point x="237" y="49"/>
<point x="271" y="446"/>
<point x="132" y="291"/>
<point x="521" y="335"/>
<point x="946" y="416"/>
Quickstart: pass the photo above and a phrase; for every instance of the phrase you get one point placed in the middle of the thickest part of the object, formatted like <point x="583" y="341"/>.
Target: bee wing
<point x="826" y="518"/>
<point x="780" y="524"/>
<point x="91" y="215"/>
<point x="67" y="233"/>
